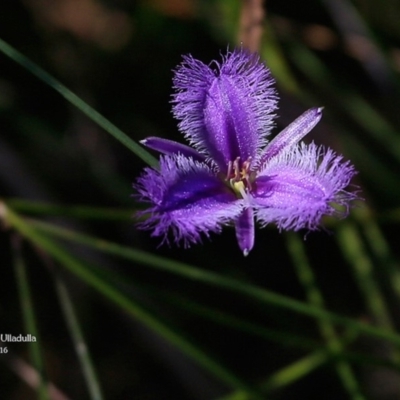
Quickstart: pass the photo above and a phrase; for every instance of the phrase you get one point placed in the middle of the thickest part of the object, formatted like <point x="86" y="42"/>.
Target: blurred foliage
<point x="118" y="317"/>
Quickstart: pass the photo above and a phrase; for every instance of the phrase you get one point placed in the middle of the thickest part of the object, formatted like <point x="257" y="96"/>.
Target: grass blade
<point x="29" y="318"/>
<point x="352" y="247"/>
<point x="103" y="287"/>
<point x="81" y="348"/>
<point x="352" y="104"/>
<point x="104" y="123"/>
<point x="81" y="212"/>
<point x="380" y="248"/>
<point x="306" y="276"/>
<point x="286" y="339"/>
<point x="199" y="275"/>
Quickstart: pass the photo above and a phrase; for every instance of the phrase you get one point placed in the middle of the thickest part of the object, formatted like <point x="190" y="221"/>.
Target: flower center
<point x="239" y="176"/>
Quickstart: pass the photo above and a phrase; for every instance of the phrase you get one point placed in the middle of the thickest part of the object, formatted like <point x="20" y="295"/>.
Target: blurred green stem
<point x="285" y="339"/>
<point x="214" y="279"/>
<point x="287" y="375"/>
<point x="77" y="102"/>
<point x="353" y="105"/>
<point x="82" y="212"/>
<point x="353" y="249"/>
<point x="314" y="296"/>
<point x="29" y="317"/>
<point x="272" y="53"/>
<point x="112" y="294"/>
<point x="380" y="247"/>
<point x="81" y="349"/>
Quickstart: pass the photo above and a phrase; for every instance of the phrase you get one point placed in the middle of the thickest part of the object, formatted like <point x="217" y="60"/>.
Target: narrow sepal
<point x="292" y="134"/>
<point x="245" y="233"/>
<point x="170" y="147"/>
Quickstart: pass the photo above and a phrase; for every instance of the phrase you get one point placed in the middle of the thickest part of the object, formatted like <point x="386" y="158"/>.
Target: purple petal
<point x="187" y="198"/>
<point x="292" y="134"/>
<point x="225" y="113"/>
<point x="244" y="225"/>
<point x="169" y="147"/>
<point x="299" y="186"/>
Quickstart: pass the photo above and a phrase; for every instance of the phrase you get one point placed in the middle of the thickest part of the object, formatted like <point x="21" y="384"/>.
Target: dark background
<point x="119" y="56"/>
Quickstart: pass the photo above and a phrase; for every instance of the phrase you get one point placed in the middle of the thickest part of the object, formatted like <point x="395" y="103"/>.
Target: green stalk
<point x="81" y="348"/>
<point x="352" y="104"/>
<point x="380" y="248"/>
<point x="288" y="375"/>
<point x="83" y="273"/>
<point x="306" y="276"/>
<point x="283" y="338"/>
<point x="29" y="318"/>
<point x="199" y="275"/>
<point x="287" y="339"/>
<point x="357" y="257"/>
<point x="89" y="111"/>
<point x="81" y="212"/>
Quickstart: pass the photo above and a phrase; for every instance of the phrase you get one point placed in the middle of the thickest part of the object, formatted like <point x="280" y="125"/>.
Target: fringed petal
<point x="225" y="113"/>
<point x="187" y="199"/>
<point x="299" y="186"/>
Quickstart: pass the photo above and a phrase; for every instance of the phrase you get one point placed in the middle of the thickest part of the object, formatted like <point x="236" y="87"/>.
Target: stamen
<point x="239" y="176"/>
<point x="236" y="169"/>
<point x="228" y="174"/>
<point x="245" y="172"/>
<point x="234" y="173"/>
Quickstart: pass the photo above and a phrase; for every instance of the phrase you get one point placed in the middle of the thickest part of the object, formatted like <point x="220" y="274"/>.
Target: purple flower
<point x="231" y="174"/>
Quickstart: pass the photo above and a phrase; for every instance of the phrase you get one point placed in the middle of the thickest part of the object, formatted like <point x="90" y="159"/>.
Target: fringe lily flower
<point x="230" y="174"/>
